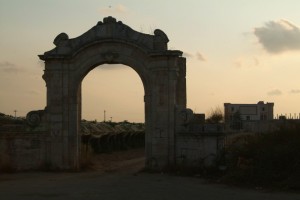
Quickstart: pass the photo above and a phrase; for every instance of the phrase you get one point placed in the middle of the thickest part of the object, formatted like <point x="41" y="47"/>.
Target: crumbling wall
<point x="198" y="149"/>
<point x="22" y="151"/>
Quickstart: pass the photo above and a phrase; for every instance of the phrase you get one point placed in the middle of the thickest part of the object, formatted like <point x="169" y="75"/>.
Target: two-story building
<point x="248" y="112"/>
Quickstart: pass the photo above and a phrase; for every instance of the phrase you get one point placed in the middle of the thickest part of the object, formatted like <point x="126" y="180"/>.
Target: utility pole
<point x="15" y="111"/>
<point x="104" y="115"/>
<point x="110" y="119"/>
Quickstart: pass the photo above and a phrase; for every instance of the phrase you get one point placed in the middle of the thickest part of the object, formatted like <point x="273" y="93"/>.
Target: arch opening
<point x="116" y="89"/>
<point x="112" y="127"/>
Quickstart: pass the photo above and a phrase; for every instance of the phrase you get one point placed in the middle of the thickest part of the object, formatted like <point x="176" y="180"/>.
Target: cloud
<point x="187" y="54"/>
<point x="200" y="57"/>
<point x="278" y="36"/>
<point x="256" y="61"/>
<point x="117" y="9"/>
<point x="8" y="67"/>
<point x="295" y="91"/>
<point x="121" y="8"/>
<point x="275" y="92"/>
<point x="246" y="62"/>
<point x="6" y="64"/>
<point x="238" y="63"/>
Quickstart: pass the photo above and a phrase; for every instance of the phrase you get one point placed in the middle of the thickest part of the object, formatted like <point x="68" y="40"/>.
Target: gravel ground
<point x="117" y="176"/>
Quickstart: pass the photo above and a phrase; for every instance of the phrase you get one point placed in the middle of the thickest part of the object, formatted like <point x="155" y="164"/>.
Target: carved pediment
<point x="110" y="30"/>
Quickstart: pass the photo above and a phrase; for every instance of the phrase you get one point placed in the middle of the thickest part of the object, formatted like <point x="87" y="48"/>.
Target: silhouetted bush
<point x="215" y="115"/>
<point x="267" y="160"/>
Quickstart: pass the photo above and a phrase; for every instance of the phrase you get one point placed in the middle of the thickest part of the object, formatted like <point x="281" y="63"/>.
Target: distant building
<point x="248" y="112"/>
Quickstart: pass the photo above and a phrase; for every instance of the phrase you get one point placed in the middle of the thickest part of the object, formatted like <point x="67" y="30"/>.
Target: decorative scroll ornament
<point x="186" y="115"/>
<point x="34" y="118"/>
<point x="160" y="40"/>
<point x="60" y="39"/>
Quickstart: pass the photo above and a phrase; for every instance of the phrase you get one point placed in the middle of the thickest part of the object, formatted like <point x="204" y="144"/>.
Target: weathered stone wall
<point x="27" y="148"/>
<point x="22" y="151"/>
<point x="198" y="149"/>
<point x="32" y="151"/>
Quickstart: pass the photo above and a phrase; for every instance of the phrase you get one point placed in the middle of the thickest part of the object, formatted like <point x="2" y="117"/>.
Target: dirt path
<point x="123" y="161"/>
<point x="112" y="180"/>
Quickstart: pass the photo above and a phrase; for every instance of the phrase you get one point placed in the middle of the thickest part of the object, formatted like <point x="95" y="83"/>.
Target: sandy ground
<point x="117" y="176"/>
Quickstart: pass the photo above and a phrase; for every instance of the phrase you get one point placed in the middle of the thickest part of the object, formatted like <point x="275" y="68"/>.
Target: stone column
<point x="163" y="100"/>
<point x="63" y="115"/>
<point x="54" y="109"/>
<point x="72" y="121"/>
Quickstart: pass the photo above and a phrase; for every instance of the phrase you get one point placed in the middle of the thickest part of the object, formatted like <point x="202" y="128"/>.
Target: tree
<point x="215" y="116"/>
<point x="236" y="122"/>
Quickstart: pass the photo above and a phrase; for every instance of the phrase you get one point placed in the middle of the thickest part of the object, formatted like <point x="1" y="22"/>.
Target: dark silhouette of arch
<point x="162" y="72"/>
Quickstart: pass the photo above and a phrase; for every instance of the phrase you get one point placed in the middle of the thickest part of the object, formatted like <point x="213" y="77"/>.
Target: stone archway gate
<point x="162" y="72"/>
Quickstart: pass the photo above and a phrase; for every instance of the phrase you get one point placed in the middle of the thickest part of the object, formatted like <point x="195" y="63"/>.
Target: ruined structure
<point x="51" y="138"/>
<point x="162" y="72"/>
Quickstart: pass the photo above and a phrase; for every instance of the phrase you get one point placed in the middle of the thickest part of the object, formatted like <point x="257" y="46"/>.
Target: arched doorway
<point x="162" y="72"/>
<point x="112" y="124"/>
<point x="113" y="92"/>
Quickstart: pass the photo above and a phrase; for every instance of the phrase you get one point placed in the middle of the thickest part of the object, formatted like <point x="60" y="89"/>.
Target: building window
<point x="247" y="117"/>
<point x="263" y="109"/>
<point x="232" y="109"/>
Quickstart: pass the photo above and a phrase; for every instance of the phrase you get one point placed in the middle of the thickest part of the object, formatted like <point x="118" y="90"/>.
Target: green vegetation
<point x="215" y="116"/>
<point x="266" y="160"/>
<point x="236" y="123"/>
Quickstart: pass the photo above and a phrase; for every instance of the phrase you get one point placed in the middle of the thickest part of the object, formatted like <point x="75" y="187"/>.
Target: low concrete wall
<point x="21" y="151"/>
<point x="198" y="149"/>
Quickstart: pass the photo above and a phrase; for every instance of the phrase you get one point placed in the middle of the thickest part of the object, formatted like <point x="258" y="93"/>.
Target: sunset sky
<point x="238" y="51"/>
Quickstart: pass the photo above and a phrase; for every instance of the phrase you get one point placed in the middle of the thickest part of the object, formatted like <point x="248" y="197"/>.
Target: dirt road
<point x="122" y="182"/>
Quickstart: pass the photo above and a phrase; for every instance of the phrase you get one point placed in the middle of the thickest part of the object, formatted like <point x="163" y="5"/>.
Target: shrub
<point x="215" y="116"/>
<point x="270" y="160"/>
